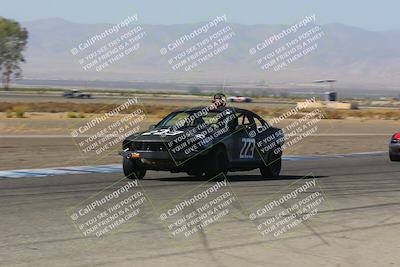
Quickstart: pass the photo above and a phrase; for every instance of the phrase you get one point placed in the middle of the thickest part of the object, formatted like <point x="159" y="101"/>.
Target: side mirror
<point x="152" y="126"/>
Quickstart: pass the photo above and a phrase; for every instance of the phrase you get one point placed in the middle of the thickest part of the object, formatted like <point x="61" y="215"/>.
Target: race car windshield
<point x="188" y="119"/>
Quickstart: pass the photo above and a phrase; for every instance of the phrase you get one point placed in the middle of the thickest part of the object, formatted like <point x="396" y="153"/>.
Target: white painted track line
<point x="116" y="168"/>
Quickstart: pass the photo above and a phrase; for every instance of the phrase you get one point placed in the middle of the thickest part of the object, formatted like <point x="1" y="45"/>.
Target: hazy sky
<point x="367" y="14"/>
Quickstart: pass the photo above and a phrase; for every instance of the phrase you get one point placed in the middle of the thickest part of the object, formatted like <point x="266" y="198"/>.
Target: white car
<point x="240" y="99"/>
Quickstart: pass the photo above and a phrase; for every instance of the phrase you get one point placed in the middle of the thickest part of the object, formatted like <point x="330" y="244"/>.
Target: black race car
<point x="205" y="140"/>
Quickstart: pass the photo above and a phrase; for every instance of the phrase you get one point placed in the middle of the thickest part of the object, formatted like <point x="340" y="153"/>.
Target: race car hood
<point x="158" y="135"/>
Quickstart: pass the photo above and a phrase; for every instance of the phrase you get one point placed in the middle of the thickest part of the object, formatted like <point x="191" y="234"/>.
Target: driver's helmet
<point x="219" y="100"/>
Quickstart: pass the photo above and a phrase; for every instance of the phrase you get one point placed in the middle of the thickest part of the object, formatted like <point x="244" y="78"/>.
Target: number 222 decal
<point x="247" y="151"/>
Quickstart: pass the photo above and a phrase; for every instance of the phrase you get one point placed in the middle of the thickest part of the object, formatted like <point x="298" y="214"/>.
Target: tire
<point x="132" y="170"/>
<point x="273" y="167"/>
<point x="394" y="157"/>
<point x="217" y="163"/>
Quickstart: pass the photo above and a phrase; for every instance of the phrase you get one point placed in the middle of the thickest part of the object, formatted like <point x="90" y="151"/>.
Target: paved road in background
<point x="168" y="100"/>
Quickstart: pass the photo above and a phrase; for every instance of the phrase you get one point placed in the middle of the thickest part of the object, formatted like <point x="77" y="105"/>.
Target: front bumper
<point x="164" y="161"/>
<point x="156" y="155"/>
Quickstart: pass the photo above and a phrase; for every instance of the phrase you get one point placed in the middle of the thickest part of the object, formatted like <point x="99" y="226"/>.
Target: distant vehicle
<point x="76" y="94"/>
<point x="240" y="99"/>
<point x="394" y="147"/>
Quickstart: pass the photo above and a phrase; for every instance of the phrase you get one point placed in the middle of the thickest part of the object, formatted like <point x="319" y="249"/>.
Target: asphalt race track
<point x="358" y="224"/>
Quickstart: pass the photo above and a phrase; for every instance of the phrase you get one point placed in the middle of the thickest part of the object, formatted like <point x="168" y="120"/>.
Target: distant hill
<point x="352" y="55"/>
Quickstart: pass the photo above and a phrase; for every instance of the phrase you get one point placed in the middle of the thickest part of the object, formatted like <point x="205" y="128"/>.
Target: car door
<point x="244" y="151"/>
<point x="268" y="138"/>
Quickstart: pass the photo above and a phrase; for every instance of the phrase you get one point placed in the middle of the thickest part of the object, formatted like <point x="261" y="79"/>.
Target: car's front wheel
<point x="132" y="170"/>
<point x="273" y="165"/>
<point x="217" y="164"/>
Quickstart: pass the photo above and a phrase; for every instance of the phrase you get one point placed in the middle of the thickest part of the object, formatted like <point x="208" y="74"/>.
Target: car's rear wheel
<point x="217" y="164"/>
<point x="394" y="157"/>
<point x="132" y="170"/>
<point x="273" y="166"/>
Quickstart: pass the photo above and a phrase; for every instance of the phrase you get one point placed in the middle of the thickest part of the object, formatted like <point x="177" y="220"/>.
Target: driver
<point x="219" y="101"/>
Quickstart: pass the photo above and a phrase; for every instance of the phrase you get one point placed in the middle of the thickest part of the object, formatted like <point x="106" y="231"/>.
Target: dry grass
<point x="19" y="111"/>
<point x="385" y="114"/>
<point x="15" y="111"/>
<point x="9" y="113"/>
<point x="79" y="110"/>
<point x="74" y="115"/>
